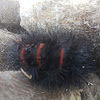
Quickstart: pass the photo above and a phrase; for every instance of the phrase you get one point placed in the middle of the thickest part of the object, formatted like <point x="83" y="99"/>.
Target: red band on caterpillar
<point x="61" y="58"/>
<point x="23" y="54"/>
<point x="27" y="45"/>
<point x="38" y="57"/>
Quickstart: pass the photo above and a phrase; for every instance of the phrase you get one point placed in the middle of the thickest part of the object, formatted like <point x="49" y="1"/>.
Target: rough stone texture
<point x="14" y="86"/>
<point x="9" y="13"/>
<point x="7" y="39"/>
<point x="57" y="14"/>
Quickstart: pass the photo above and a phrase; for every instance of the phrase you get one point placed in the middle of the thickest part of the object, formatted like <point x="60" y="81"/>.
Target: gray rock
<point x="9" y="13"/>
<point x="59" y="14"/>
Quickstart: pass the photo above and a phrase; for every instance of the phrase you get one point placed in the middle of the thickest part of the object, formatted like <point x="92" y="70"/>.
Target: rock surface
<point x="59" y="14"/>
<point x="9" y="13"/>
<point x="14" y="86"/>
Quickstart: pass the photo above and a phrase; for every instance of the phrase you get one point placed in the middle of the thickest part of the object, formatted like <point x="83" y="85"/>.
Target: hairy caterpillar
<point x="57" y="60"/>
<point x="70" y="16"/>
<point x="10" y="59"/>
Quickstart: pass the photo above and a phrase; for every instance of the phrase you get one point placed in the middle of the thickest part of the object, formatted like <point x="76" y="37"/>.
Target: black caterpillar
<point x="58" y="60"/>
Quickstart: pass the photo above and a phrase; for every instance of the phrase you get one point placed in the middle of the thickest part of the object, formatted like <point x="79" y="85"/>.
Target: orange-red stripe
<point x="22" y="55"/>
<point x="27" y="45"/>
<point x="61" y="58"/>
<point x="38" y="57"/>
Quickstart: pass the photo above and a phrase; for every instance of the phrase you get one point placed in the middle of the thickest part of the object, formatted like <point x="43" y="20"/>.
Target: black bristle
<point x="80" y="59"/>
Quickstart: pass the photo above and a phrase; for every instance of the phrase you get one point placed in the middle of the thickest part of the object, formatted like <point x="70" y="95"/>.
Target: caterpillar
<point x="58" y="60"/>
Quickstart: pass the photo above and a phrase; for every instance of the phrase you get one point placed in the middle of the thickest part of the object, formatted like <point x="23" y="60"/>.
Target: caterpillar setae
<point x="57" y="60"/>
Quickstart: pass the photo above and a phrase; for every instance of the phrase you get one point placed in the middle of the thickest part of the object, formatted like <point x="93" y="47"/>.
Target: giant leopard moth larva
<point x="58" y="60"/>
